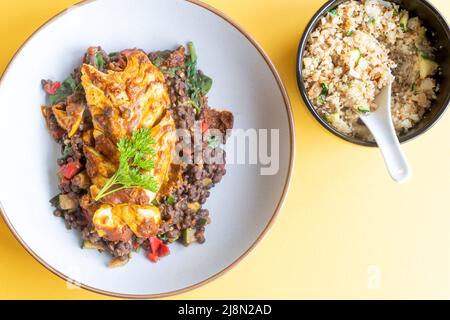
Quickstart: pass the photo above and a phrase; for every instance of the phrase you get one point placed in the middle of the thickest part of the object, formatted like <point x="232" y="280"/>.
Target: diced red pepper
<point x="122" y="63"/>
<point x="70" y="169"/>
<point x="157" y="249"/>
<point x="204" y="126"/>
<point x="153" y="257"/>
<point x="163" y="250"/>
<point x="51" y="89"/>
<point x="155" y="243"/>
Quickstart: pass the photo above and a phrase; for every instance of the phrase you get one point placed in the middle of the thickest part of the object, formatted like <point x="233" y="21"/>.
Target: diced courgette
<point x="66" y="202"/>
<point x="117" y="263"/>
<point x="188" y="236"/>
<point x="404" y="21"/>
<point x="355" y="56"/>
<point x="427" y="67"/>
<point x="194" y="206"/>
<point x="335" y="120"/>
<point x="332" y="117"/>
<point x="321" y="99"/>
<point x="422" y="33"/>
<point x="363" y="109"/>
<point x="207" y="181"/>
<point x="90" y="245"/>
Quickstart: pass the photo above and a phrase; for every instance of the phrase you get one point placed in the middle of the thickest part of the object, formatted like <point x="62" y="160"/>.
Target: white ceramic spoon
<point x="380" y="124"/>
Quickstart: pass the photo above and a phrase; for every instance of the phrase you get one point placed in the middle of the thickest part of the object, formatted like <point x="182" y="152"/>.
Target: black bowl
<point x="438" y="33"/>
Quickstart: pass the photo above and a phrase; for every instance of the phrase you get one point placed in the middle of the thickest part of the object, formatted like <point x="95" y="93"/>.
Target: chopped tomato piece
<point x="204" y="126"/>
<point x="163" y="250"/>
<point x="51" y="89"/>
<point x="155" y="243"/>
<point x="152" y="257"/>
<point x="70" y="169"/>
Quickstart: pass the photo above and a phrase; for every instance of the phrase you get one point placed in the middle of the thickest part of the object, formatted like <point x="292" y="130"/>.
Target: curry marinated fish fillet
<point x="121" y="102"/>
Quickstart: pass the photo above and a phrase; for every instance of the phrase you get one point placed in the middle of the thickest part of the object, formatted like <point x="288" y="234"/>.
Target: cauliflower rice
<point x="352" y="54"/>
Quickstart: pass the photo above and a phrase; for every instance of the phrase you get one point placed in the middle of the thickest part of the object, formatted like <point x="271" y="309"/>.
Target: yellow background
<point x="346" y="230"/>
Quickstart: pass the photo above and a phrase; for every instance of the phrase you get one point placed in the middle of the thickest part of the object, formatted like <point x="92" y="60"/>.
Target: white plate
<point x="242" y="206"/>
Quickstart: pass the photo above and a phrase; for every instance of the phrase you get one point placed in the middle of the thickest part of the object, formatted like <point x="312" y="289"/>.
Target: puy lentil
<point x="197" y="179"/>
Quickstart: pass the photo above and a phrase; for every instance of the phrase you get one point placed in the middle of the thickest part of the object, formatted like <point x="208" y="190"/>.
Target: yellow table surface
<point x="346" y="230"/>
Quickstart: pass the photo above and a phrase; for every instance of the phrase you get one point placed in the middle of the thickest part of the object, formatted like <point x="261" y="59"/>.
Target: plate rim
<point x="280" y="203"/>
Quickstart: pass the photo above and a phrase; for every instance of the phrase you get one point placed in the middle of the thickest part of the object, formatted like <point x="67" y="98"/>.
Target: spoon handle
<point x="382" y="128"/>
<point x="394" y="159"/>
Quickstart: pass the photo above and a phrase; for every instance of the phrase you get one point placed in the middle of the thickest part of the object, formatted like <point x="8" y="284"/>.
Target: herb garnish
<point x="171" y="200"/>
<point x="323" y="95"/>
<point x="201" y="222"/>
<point x="66" y="152"/>
<point x="135" y="162"/>
<point x="55" y="201"/>
<point x="68" y="87"/>
<point x="160" y="57"/>
<point x="321" y="99"/>
<point x="158" y="61"/>
<point x="213" y="142"/>
<point x="171" y="72"/>
<point x="163" y="237"/>
<point x="324" y="88"/>
<point x="198" y="84"/>
<point x="99" y="61"/>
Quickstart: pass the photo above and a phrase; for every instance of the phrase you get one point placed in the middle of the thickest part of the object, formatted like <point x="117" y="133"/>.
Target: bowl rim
<point x="301" y="85"/>
<point x="286" y="186"/>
